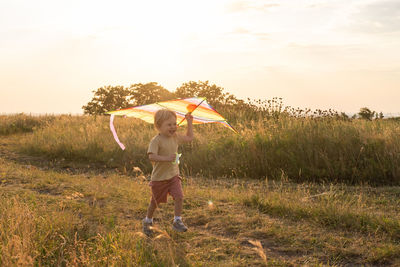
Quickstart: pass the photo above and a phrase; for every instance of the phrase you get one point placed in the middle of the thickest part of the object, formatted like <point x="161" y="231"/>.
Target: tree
<point x="108" y="98"/>
<point x="148" y="93"/>
<point x="214" y="94"/>
<point x="118" y="97"/>
<point x="366" y="114"/>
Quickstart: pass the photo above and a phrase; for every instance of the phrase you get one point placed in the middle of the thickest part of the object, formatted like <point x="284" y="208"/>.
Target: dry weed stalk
<point x="163" y="234"/>
<point x="317" y="195"/>
<point x="259" y="248"/>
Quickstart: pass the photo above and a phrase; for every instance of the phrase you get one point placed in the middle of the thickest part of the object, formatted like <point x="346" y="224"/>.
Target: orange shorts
<point x="161" y="189"/>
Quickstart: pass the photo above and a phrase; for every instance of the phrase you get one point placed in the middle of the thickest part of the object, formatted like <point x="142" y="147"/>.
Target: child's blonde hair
<point x="163" y="115"/>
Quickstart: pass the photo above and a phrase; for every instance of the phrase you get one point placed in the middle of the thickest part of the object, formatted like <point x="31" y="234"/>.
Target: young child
<point x="165" y="177"/>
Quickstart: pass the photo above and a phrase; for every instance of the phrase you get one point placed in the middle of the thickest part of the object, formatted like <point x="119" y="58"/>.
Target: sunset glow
<point x="318" y="54"/>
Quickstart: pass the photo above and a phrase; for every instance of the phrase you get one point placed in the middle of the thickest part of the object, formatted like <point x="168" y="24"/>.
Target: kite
<point x="201" y="111"/>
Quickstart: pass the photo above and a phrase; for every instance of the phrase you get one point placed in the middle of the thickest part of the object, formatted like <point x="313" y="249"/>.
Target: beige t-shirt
<point x="163" y="146"/>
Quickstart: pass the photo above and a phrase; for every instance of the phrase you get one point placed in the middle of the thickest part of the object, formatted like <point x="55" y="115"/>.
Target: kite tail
<point x="115" y="133"/>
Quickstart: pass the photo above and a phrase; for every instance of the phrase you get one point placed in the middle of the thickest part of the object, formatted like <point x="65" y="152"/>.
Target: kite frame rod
<point x="191" y="111"/>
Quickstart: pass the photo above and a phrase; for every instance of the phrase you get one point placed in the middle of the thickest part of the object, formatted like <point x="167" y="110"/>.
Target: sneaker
<point x="178" y="225"/>
<point x="146" y="227"/>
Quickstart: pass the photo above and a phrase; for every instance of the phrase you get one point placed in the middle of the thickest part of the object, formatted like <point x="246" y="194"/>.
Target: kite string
<point x="115" y="133"/>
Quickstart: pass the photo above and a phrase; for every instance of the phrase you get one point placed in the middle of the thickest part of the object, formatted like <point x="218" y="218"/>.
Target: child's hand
<point x="189" y="118"/>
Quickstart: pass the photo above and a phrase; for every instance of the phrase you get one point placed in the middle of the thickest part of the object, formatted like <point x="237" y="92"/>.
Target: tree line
<point x="118" y="97"/>
<point x="109" y="98"/>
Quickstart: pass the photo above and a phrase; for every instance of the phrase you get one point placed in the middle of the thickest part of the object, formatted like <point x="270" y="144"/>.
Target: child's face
<point x="168" y="127"/>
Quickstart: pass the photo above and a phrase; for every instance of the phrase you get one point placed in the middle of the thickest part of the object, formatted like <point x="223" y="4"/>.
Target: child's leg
<point x="178" y="206"/>
<point x="150" y="210"/>
<point x="148" y="221"/>
<point x="178" y="225"/>
<point x="177" y="193"/>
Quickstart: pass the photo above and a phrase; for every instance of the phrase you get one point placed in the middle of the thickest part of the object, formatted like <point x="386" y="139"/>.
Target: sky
<point x="339" y="54"/>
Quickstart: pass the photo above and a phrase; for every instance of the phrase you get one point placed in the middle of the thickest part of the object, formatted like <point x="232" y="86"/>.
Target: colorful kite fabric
<point x="201" y="111"/>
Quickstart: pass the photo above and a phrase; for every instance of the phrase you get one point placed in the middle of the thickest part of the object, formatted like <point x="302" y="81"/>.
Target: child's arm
<point x="155" y="157"/>
<point x="189" y="132"/>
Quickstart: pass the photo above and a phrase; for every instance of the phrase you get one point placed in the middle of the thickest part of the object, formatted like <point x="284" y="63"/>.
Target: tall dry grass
<point x="303" y="149"/>
<point x="21" y="123"/>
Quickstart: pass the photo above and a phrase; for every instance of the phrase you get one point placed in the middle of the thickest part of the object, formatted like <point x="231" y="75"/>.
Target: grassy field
<point x="69" y="196"/>
<point x="303" y="149"/>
